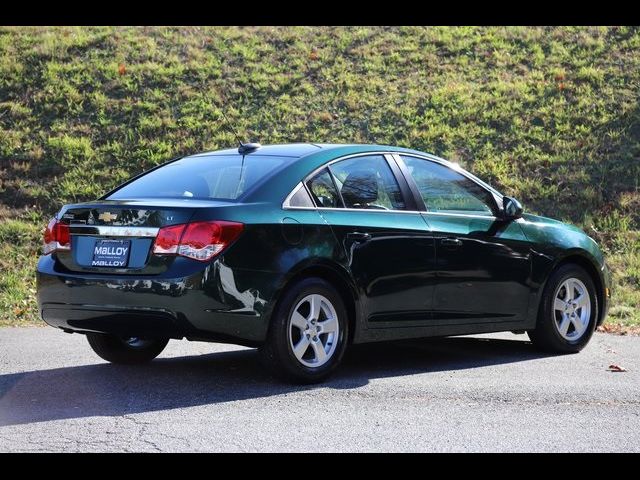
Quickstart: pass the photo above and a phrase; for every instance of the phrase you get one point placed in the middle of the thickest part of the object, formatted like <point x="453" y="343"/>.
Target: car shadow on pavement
<point x="180" y="382"/>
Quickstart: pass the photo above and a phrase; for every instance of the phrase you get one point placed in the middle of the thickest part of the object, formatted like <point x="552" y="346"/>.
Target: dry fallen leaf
<point x="619" y="329"/>
<point x="616" y="368"/>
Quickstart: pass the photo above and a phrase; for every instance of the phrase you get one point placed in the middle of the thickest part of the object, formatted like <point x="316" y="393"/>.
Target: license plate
<point x="111" y="253"/>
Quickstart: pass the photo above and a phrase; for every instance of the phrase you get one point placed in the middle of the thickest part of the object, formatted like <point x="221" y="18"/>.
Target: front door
<point x="483" y="263"/>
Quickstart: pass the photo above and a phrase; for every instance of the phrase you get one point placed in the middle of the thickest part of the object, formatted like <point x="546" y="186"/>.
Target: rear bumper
<point x="113" y="319"/>
<point x="212" y="302"/>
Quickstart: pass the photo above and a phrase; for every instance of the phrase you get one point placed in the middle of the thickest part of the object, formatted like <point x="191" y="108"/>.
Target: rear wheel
<point x="308" y="333"/>
<point x="129" y="350"/>
<point x="568" y="311"/>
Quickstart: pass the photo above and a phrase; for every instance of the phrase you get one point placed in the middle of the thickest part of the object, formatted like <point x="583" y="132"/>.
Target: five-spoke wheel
<point x="568" y="311"/>
<point x="308" y="332"/>
<point x="572" y="308"/>
<point x="313" y="330"/>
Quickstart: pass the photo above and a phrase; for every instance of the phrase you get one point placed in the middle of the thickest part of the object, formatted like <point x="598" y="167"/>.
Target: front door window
<point x="446" y="191"/>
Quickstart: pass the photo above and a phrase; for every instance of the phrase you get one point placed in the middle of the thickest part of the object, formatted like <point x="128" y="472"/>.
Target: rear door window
<point x="367" y="182"/>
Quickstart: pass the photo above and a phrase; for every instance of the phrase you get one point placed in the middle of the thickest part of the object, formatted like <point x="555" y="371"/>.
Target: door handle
<point x="451" y="242"/>
<point x="359" y="236"/>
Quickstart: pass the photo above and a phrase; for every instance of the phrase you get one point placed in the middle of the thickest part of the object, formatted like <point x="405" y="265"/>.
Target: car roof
<point x="294" y="150"/>
<point x="305" y="158"/>
<point x="298" y="150"/>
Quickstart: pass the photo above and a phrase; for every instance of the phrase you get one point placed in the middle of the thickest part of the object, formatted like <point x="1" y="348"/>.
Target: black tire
<point x="118" y="350"/>
<point x="277" y="352"/>
<point x="546" y="335"/>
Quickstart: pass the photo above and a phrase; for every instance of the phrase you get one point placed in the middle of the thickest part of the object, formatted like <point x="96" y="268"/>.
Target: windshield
<point x="224" y="177"/>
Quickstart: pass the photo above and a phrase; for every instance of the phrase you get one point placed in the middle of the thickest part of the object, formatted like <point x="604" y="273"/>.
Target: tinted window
<point x="323" y="190"/>
<point x="216" y="176"/>
<point x="301" y="199"/>
<point x="445" y="190"/>
<point x="368" y="182"/>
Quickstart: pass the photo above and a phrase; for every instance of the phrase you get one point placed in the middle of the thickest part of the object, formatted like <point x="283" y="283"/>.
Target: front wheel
<point x="308" y="333"/>
<point x="568" y="311"/>
<point x="128" y="351"/>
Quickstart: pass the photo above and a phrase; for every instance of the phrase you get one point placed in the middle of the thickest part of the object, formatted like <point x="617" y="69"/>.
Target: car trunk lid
<point x="117" y="236"/>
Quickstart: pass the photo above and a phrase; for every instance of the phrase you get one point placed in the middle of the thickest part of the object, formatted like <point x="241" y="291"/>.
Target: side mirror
<point x="511" y="208"/>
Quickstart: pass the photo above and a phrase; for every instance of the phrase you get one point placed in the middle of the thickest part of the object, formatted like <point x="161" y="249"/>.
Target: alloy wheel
<point x="313" y="330"/>
<point x="572" y="309"/>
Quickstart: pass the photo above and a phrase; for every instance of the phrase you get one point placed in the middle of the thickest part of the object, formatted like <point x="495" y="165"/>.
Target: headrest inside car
<point x="359" y="189"/>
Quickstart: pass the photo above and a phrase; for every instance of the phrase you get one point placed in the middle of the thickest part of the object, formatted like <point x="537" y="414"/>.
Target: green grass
<point x="548" y="115"/>
<point x="20" y="242"/>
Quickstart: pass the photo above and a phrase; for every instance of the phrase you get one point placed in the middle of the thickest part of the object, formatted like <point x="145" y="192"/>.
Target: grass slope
<point x="549" y="115"/>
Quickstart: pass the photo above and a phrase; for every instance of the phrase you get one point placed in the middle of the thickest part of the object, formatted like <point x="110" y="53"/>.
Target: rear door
<point x="390" y="253"/>
<point x="483" y="263"/>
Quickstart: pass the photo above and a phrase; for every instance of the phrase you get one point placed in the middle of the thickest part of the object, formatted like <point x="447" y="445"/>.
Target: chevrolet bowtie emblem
<point x="107" y="216"/>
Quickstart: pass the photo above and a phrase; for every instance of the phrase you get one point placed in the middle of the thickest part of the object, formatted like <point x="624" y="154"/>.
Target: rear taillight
<point x="198" y="240"/>
<point x="168" y="240"/>
<point x="56" y="237"/>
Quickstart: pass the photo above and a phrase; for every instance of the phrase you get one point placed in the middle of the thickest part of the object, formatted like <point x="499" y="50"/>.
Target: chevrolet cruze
<point x="303" y="249"/>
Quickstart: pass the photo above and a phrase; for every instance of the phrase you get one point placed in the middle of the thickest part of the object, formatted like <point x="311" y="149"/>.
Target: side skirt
<point x="401" y="333"/>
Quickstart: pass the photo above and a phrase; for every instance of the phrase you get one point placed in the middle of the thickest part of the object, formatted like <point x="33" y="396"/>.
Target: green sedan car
<point x="303" y="249"/>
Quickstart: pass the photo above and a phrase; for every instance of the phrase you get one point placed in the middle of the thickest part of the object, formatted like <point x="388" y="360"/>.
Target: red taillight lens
<point x="198" y="240"/>
<point x="56" y="237"/>
<point x="168" y="240"/>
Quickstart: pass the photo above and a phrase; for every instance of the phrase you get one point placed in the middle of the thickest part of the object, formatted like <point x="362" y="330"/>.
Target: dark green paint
<point x="402" y="281"/>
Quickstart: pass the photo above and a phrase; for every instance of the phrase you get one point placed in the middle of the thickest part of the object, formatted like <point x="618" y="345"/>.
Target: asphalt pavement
<point x="481" y="393"/>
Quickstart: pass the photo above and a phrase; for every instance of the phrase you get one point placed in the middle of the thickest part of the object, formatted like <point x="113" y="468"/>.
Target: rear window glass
<point x="224" y="177"/>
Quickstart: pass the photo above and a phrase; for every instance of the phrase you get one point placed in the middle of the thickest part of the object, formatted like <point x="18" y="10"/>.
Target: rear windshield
<point x="224" y="177"/>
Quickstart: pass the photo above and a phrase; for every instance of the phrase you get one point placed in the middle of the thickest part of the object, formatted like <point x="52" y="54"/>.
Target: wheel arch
<point x="582" y="259"/>
<point x="337" y="277"/>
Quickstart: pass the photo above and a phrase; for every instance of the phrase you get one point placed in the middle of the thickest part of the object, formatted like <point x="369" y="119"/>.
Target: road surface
<point x="481" y="393"/>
